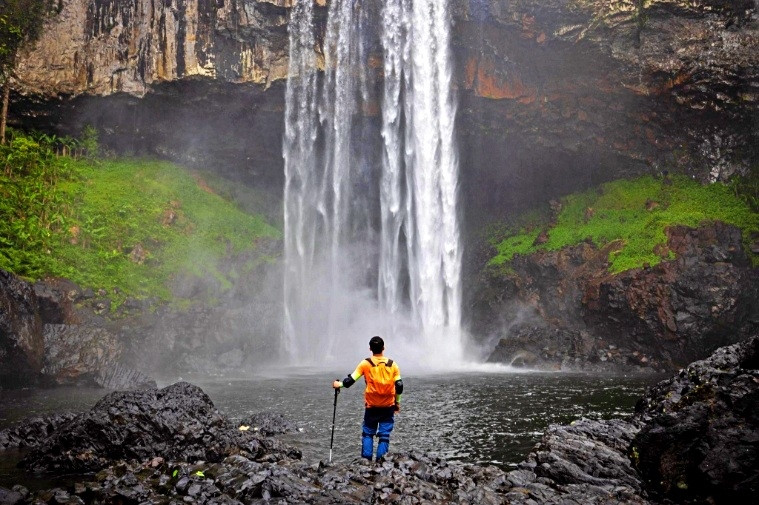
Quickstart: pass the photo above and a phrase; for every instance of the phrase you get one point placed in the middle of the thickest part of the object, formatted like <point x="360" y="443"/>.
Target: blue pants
<point x="377" y="421"/>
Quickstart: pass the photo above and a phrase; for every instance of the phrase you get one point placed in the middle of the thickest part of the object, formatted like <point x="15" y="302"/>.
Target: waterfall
<point x="371" y="178"/>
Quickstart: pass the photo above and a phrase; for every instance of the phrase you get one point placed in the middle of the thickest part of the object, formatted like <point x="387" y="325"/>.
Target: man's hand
<point x="397" y="408"/>
<point x="337" y="384"/>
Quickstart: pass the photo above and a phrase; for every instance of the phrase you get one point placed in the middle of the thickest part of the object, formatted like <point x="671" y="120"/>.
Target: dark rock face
<point x="233" y="129"/>
<point x="56" y="299"/>
<point x="566" y="310"/>
<point x="21" y="340"/>
<point x="685" y="308"/>
<point x="178" y="422"/>
<point x="700" y="438"/>
<point x="74" y="354"/>
<point x="88" y="355"/>
<point x="35" y="345"/>
<point x="119" y="377"/>
<point x="557" y="95"/>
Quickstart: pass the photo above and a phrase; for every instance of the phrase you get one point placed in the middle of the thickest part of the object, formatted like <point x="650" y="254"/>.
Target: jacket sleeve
<point x="352" y="378"/>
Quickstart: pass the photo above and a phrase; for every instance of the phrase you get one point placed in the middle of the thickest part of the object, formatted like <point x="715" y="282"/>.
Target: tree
<point x="21" y="23"/>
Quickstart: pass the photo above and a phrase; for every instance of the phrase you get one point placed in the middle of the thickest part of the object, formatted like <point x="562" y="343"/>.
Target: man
<point x="382" y="397"/>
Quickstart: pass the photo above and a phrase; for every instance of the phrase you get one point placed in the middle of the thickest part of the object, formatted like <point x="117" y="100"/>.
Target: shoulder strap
<point x="389" y="363"/>
<point x="370" y="361"/>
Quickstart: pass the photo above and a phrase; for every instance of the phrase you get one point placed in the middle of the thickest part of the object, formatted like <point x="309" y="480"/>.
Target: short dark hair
<point x="377" y="345"/>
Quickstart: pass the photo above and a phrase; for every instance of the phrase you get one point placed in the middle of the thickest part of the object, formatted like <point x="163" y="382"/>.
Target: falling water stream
<point x="371" y="177"/>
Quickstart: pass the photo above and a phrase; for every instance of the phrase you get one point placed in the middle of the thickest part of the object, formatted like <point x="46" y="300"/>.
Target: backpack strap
<point x="387" y="363"/>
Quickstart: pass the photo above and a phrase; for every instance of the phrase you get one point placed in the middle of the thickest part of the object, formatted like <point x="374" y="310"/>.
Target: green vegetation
<point x="135" y="225"/>
<point x="636" y="213"/>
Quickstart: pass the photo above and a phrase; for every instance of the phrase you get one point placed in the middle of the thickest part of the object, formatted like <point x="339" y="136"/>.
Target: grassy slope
<point x="101" y="211"/>
<point x="620" y="211"/>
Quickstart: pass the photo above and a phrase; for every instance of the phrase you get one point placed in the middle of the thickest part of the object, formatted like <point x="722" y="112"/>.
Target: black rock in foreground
<point x="178" y="422"/>
<point x="693" y="439"/>
<point x="700" y="430"/>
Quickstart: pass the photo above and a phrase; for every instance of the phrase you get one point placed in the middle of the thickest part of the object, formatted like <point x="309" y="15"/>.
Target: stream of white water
<point x="372" y="240"/>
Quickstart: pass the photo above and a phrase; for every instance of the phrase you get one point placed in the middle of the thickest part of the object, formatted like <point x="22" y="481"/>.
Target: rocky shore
<point x="693" y="439"/>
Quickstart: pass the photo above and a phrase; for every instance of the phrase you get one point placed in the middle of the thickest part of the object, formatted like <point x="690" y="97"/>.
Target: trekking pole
<point x="334" y="412"/>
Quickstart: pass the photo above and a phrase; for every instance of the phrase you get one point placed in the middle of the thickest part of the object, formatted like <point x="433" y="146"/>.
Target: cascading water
<point x="371" y="175"/>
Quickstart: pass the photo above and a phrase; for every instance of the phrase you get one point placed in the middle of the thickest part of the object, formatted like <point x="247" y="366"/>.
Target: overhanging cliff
<point x="555" y="95"/>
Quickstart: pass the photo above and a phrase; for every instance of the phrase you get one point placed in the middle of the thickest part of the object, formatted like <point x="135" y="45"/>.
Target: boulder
<point x="10" y="497"/>
<point x="700" y="437"/>
<point x="585" y="462"/>
<point x="33" y="431"/>
<point x="21" y="339"/>
<point x="178" y="422"/>
<point x="270" y="424"/>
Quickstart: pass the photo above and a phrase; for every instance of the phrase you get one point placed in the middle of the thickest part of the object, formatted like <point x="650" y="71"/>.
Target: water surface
<point x="493" y="418"/>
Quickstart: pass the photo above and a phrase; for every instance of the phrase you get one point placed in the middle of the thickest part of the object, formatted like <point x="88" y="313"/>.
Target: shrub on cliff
<point x="636" y="213"/>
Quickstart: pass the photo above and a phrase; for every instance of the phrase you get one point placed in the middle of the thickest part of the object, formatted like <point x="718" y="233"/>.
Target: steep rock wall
<point x="555" y="95"/>
<point x="564" y="309"/>
<point x="562" y="94"/>
<point x="101" y="47"/>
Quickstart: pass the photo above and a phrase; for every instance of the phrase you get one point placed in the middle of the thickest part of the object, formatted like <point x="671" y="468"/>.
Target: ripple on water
<point x="482" y="417"/>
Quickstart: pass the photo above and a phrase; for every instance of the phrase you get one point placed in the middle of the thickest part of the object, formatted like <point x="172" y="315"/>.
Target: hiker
<point x="382" y="397"/>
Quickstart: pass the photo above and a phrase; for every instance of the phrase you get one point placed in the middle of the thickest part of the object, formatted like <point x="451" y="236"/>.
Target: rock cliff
<point x="562" y="94"/>
<point x="101" y="47"/>
<point x="564" y="309"/>
<point x="22" y="347"/>
<point x="555" y="95"/>
<point x="36" y="347"/>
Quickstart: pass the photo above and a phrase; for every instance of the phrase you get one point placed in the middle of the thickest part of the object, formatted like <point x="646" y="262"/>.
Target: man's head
<point x="376" y="345"/>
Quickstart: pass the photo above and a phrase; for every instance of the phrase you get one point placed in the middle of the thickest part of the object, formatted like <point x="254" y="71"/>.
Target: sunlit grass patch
<point x="637" y="213"/>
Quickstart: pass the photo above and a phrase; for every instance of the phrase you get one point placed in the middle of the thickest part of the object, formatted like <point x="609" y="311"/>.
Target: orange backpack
<point x="380" y="384"/>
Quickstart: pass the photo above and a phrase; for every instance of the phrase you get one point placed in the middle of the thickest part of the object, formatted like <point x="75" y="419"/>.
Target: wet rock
<point x="566" y="308"/>
<point x="270" y="424"/>
<point x="56" y="299"/>
<point x="33" y="431"/>
<point x="177" y="422"/>
<point x="587" y="462"/>
<point x="700" y="440"/>
<point x="9" y="497"/>
<point x="76" y="354"/>
<point x="21" y="339"/>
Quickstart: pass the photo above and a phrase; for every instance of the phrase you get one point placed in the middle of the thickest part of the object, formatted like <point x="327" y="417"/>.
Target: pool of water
<point x="479" y="417"/>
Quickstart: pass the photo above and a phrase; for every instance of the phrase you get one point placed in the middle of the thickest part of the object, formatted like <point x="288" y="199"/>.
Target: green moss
<point x="128" y="226"/>
<point x="637" y="213"/>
